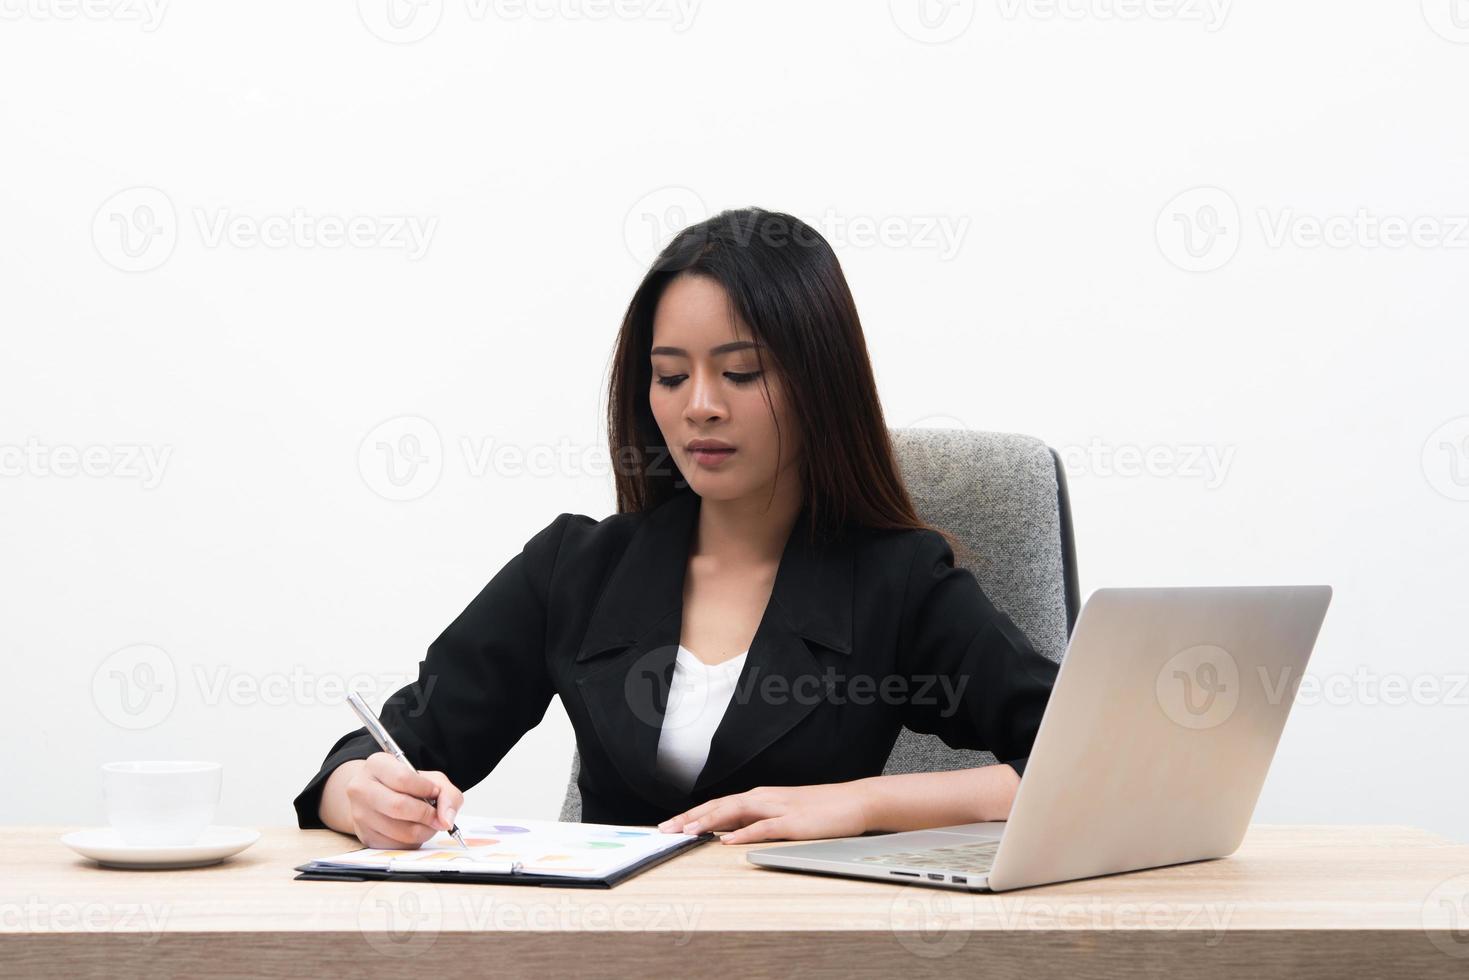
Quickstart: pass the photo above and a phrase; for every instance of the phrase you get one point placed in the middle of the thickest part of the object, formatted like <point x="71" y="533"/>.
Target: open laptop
<point x="1154" y="745"/>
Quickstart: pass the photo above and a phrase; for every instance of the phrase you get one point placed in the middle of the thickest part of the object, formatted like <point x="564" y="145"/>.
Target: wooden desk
<point x="1302" y="902"/>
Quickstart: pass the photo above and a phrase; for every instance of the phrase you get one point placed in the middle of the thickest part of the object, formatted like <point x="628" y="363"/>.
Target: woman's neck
<point x="748" y="530"/>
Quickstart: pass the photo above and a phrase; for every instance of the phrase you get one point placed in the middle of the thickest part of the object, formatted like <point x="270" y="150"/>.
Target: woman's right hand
<point x="386" y="801"/>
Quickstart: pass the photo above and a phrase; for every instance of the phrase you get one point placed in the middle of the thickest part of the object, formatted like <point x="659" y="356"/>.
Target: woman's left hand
<point x="778" y="813"/>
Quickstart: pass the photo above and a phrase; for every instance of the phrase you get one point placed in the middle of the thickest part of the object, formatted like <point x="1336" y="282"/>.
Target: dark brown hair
<point x="783" y="280"/>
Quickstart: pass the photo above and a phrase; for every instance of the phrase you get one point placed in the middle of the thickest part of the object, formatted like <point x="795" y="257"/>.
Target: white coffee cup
<point x="160" y="803"/>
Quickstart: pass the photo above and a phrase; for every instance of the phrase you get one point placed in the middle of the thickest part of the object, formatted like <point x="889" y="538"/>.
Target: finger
<point x="400" y="806"/>
<point x="771" y="828"/>
<point x="451" y="800"/>
<point x="726" y="816"/>
<point x="672" y="824"/>
<point x="376" y="830"/>
<point x="395" y="775"/>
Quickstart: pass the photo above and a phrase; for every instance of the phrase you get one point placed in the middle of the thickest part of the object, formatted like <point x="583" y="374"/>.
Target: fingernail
<point x="691" y="828"/>
<point x="449" y="815"/>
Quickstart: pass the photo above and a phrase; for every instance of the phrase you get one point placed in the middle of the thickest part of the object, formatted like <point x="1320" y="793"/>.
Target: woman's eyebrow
<point x="714" y="351"/>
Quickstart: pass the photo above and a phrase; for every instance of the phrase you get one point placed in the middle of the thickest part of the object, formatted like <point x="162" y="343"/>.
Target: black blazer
<point x="861" y="636"/>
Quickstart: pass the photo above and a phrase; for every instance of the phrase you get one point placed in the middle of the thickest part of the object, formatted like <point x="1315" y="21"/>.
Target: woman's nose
<point x="705" y="400"/>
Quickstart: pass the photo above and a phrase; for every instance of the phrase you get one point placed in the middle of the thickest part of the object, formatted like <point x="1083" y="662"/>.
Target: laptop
<point x="1152" y="751"/>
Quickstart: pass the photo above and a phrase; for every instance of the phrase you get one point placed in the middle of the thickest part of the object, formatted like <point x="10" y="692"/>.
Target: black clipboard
<point x="315" y="871"/>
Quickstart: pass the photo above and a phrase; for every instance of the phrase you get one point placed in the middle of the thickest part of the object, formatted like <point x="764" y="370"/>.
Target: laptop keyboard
<point x="974" y="858"/>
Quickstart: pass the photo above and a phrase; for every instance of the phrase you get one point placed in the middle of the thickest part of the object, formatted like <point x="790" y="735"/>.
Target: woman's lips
<point x="712" y="457"/>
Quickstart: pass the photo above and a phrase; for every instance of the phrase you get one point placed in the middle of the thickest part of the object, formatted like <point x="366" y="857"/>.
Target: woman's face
<point x="707" y="385"/>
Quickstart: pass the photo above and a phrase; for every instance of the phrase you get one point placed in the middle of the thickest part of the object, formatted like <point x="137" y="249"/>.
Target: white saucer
<point x="105" y="846"/>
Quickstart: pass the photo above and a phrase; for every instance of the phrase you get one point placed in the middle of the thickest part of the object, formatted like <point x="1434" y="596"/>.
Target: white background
<point x="1038" y="272"/>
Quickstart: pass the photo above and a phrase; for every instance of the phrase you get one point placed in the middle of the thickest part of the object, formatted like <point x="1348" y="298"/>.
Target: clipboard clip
<point x="466" y="865"/>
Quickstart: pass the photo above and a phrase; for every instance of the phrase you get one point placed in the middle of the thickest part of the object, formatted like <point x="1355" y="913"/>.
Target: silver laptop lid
<point x="1160" y="729"/>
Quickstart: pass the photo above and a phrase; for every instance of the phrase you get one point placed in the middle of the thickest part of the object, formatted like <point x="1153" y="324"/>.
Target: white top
<point x="697" y="700"/>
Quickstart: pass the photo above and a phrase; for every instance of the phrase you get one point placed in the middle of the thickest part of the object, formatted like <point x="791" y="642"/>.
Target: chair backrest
<point x="1003" y="497"/>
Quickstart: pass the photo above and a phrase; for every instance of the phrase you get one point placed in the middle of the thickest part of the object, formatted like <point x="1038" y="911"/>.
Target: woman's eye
<point x="739" y="378"/>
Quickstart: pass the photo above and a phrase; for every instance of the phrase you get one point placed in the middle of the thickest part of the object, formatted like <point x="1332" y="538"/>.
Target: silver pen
<point x="380" y="734"/>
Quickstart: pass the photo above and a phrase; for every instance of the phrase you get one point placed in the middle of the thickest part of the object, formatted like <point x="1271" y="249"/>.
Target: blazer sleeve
<point x="987" y="686"/>
<point x="483" y="684"/>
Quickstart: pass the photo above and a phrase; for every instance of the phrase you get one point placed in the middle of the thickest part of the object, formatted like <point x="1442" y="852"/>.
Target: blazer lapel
<point x="636" y="629"/>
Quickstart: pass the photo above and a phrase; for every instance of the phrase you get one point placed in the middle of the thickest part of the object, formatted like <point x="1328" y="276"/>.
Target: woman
<point x="738" y="646"/>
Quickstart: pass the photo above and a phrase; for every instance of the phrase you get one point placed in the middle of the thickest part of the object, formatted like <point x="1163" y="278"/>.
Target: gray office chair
<point x="1004" y="498"/>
